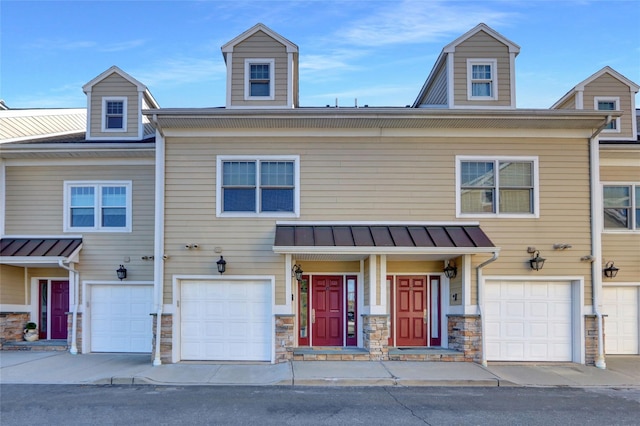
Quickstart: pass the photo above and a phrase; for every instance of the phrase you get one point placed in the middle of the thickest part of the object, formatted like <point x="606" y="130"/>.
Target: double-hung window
<point x="114" y="114"/>
<point x="258" y="186"/>
<point x="621" y="207"/>
<point x="259" y="82"/>
<point x="97" y="206"/>
<point x="497" y="186"/>
<point x="609" y="104"/>
<point x="482" y="79"/>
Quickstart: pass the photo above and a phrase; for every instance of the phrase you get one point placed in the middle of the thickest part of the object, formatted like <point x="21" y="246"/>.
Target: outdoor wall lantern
<point x="451" y="270"/>
<point x="297" y="272"/>
<point x="122" y="272"/>
<point x="610" y="271"/>
<point x="536" y="261"/>
<point x="222" y="265"/>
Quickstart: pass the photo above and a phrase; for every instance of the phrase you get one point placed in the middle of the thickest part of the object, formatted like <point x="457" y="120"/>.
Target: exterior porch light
<point x="222" y="265"/>
<point x="610" y="271"/>
<point x="122" y="272"/>
<point x="297" y="272"/>
<point x="536" y="261"/>
<point x="451" y="270"/>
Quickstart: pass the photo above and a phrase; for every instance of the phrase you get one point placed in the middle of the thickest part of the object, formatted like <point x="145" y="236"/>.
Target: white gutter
<point x="481" y="301"/>
<point x="158" y="266"/>
<point x="596" y="235"/>
<point x="74" y="327"/>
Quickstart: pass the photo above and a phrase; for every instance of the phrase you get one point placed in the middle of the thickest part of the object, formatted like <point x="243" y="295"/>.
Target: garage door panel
<point x="528" y="321"/>
<point x="119" y="318"/>
<point x="621" y="305"/>
<point x="236" y="317"/>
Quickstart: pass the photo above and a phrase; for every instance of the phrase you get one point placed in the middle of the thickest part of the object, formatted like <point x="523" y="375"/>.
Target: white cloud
<point x="412" y="21"/>
<point x="174" y="71"/>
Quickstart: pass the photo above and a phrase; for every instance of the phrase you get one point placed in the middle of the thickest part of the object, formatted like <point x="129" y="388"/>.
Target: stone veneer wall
<point x="12" y="325"/>
<point x="465" y="335"/>
<point x="376" y="336"/>
<point x="591" y="339"/>
<point x="285" y="337"/>
<point x="166" y="339"/>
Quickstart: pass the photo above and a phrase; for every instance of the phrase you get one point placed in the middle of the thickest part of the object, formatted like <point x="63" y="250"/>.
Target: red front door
<point x="59" y="309"/>
<point x="327" y="311"/>
<point x="411" y="311"/>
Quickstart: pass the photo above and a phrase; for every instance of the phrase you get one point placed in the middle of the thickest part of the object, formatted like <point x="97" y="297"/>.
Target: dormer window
<point x="114" y="117"/>
<point x="482" y="79"/>
<point x="609" y="104"/>
<point x="259" y="79"/>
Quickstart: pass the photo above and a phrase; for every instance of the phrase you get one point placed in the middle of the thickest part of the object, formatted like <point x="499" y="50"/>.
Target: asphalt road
<point x="272" y="405"/>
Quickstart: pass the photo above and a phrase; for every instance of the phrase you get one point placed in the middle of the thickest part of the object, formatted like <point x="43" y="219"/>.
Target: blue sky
<point x="377" y="51"/>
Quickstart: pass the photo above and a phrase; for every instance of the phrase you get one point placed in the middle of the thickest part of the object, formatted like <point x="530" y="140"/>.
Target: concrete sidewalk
<point x="18" y="367"/>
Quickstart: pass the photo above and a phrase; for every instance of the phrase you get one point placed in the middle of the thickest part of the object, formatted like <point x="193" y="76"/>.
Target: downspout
<point x="158" y="266"/>
<point x="74" y="316"/>
<point x="481" y="301"/>
<point x="596" y="235"/>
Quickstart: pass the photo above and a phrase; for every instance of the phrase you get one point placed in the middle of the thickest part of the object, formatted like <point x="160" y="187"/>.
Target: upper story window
<point x="259" y="79"/>
<point x="263" y="186"/>
<point x="482" y="79"/>
<point x="609" y="104"/>
<point x="114" y="114"/>
<point x="97" y="206"/>
<point x="503" y="186"/>
<point x="621" y="207"/>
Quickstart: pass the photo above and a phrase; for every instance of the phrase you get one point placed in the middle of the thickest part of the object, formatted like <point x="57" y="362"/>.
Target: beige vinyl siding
<point x="259" y="46"/>
<point x="375" y="179"/>
<point x="114" y="86"/>
<point x="624" y="250"/>
<point x="366" y="299"/>
<point x="481" y="45"/>
<point x="413" y="267"/>
<point x="330" y="267"/>
<point x="12" y="286"/>
<point x="608" y="87"/>
<point x="34" y="206"/>
<point x="620" y="165"/>
<point x="569" y="103"/>
<point x="437" y="92"/>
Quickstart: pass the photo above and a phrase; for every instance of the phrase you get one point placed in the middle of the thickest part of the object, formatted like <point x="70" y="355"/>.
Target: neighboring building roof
<point x="24" y="124"/>
<point x="606" y="70"/>
<point x="38" y="251"/>
<point x="420" y="238"/>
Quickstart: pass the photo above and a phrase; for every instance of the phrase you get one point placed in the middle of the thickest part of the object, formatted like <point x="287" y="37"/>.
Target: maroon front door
<point x="411" y="311"/>
<point x="59" y="309"/>
<point x="327" y="311"/>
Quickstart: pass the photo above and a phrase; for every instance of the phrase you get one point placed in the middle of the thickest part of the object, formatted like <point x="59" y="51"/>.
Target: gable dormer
<point x="606" y="90"/>
<point x="476" y="70"/>
<point x="115" y="101"/>
<point x="262" y="70"/>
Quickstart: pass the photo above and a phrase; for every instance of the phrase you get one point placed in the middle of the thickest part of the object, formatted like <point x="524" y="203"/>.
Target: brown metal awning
<point x="382" y="238"/>
<point x="35" y="251"/>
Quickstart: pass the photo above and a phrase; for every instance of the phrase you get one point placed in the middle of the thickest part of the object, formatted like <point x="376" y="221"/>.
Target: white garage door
<point x="528" y="321"/>
<point x="120" y="318"/>
<point x="620" y="304"/>
<point x="225" y="321"/>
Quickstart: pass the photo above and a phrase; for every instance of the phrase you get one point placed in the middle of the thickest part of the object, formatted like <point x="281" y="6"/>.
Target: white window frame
<point x="122" y="99"/>
<point x="634" y="205"/>
<point x="296" y="181"/>
<point x="496" y="159"/>
<point x="616" y="101"/>
<point x="247" y="78"/>
<point x="493" y="63"/>
<point x="97" y="185"/>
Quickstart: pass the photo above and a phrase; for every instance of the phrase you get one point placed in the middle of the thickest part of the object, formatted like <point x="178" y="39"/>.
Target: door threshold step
<point x="38" y="345"/>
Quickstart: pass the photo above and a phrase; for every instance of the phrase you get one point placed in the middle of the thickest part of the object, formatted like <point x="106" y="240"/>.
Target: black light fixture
<point x="122" y="272"/>
<point x="222" y="265"/>
<point x="297" y="272"/>
<point x="536" y="261"/>
<point x="610" y="271"/>
<point x="450" y="271"/>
